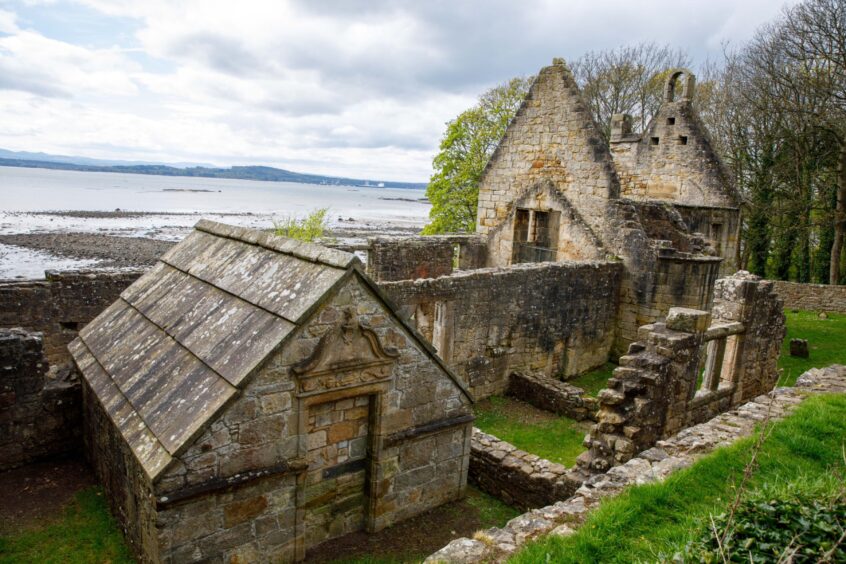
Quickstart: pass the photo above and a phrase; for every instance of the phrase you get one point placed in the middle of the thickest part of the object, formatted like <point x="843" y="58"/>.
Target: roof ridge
<point x="312" y="252"/>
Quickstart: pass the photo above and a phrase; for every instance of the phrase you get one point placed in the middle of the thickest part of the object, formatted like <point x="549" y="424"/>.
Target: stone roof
<point x="180" y="342"/>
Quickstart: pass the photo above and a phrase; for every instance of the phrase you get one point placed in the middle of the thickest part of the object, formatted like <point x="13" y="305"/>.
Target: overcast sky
<point x="334" y="87"/>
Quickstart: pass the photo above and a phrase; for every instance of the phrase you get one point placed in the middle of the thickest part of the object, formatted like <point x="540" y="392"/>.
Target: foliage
<point x="308" y="229"/>
<point x="466" y="147"/>
<point x="552" y="437"/>
<point x="85" y="533"/>
<point x="826" y="338"/>
<point x="767" y="529"/>
<point x="648" y="521"/>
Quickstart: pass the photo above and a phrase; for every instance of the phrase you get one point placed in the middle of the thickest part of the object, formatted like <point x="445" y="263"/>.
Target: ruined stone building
<point x="577" y="244"/>
<point x="252" y="396"/>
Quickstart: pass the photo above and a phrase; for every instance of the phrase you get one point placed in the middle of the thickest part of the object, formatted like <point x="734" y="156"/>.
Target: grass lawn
<point x="539" y="432"/>
<point x="647" y="523"/>
<point x="85" y="533"/>
<point x="595" y="380"/>
<point x="826" y="343"/>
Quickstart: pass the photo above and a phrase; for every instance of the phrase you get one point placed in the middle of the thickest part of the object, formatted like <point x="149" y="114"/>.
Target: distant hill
<point x="266" y="173"/>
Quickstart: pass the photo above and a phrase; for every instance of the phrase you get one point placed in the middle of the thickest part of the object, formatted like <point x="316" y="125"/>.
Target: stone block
<point x="799" y="348"/>
<point x="688" y="320"/>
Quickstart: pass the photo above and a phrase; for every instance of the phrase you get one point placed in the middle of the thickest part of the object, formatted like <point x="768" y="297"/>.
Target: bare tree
<point x="626" y="80"/>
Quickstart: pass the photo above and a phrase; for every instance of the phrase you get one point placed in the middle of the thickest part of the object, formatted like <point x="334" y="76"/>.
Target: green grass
<point x="826" y="343"/>
<point x="647" y="522"/>
<point x="493" y="512"/>
<point x="549" y="436"/>
<point x="595" y="380"/>
<point x="85" y="533"/>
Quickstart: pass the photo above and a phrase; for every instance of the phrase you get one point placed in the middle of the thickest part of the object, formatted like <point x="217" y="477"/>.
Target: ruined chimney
<point x="621" y="127"/>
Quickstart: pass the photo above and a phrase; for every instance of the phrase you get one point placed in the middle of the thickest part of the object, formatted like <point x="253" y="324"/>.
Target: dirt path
<point x="38" y="492"/>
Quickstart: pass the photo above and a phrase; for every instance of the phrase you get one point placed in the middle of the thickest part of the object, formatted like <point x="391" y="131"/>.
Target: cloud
<point x="337" y="87"/>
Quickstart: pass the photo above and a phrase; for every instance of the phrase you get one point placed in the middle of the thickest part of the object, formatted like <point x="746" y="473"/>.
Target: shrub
<point x="308" y="229"/>
<point x="765" y="529"/>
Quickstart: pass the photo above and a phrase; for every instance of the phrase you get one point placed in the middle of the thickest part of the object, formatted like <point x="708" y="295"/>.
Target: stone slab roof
<point x="175" y="348"/>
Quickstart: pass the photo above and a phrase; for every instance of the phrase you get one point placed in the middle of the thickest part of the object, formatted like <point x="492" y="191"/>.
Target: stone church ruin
<point x="251" y="397"/>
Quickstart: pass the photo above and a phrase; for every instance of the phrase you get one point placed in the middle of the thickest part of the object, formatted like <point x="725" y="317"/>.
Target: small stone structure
<point x="655" y="391"/>
<point x="252" y="396"/>
<point x="40" y="415"/>
<point x="799" y="347"/>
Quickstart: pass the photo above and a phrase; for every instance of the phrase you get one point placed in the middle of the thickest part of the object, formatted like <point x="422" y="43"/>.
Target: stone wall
<point x="552" y="395"/>
<point x="517" y="477"/>
<point x="408" y="258"/>
<point x="655" y="391"/>
<point x="553" y="318"/>
<point x="813" y="297"/>
<point x="563" y="518"/>
<point x="39" y="416"/>
<point x="60" y="305"/>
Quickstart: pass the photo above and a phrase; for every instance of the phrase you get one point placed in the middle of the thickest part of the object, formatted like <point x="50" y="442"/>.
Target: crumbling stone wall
<point x="60" y="305"/>
<point x="553" y="395"/>
<point x="553" y="318"/>
<point x="408" y="258"/>
<point x="39" y="416"/>
<point x="518" y="478"/>
<point x="655" y="392"/>
<point x="813" y="297"/>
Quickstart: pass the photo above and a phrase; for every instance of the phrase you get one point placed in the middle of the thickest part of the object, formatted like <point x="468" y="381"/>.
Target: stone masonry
<point x="40" y="416"/>
<point x="517" y="477"/>
<point x="60" y="305"/>
<point x="813" y="297"/>
<point x="553" y="395"/>
<point x="655" y="392"/>
<point x="653" y="465"/>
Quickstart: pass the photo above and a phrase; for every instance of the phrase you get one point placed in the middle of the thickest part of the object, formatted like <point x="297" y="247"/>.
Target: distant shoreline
<point x="257" y="173"/>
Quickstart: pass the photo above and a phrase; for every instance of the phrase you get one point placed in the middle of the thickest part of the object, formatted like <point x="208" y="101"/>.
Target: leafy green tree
<point x="467" y="144"/>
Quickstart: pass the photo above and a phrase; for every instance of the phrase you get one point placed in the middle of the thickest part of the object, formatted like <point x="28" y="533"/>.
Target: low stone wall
<point x="680" y="451"/>
<point x="39" y="417"/>
<point x="514" y="476"/>
<point x="814" y="297"/>
<point x="553" y="318"/>
<point x="60" y="305"/>
<point x="553" y="395"/>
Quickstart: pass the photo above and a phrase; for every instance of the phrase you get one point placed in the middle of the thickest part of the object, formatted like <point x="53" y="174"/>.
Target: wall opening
<point x="654" y="140"/>
<point x="671" y="121"/>
<point x="683" y="140"/>
<point x="535" y="235"/>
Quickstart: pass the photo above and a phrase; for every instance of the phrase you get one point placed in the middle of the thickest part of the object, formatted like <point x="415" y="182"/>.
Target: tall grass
<point x="309" y="229"/>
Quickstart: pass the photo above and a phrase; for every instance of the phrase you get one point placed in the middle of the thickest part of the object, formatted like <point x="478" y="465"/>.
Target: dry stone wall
<point x="60" y="305"/>
<point x="813" y="297"/>
<point x="409" y="258"/>
<point x="39" y="416"/>
<point x="553" y="318"/>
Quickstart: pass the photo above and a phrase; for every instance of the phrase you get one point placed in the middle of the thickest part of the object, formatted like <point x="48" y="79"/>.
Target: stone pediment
<point x="348" y="355"/>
